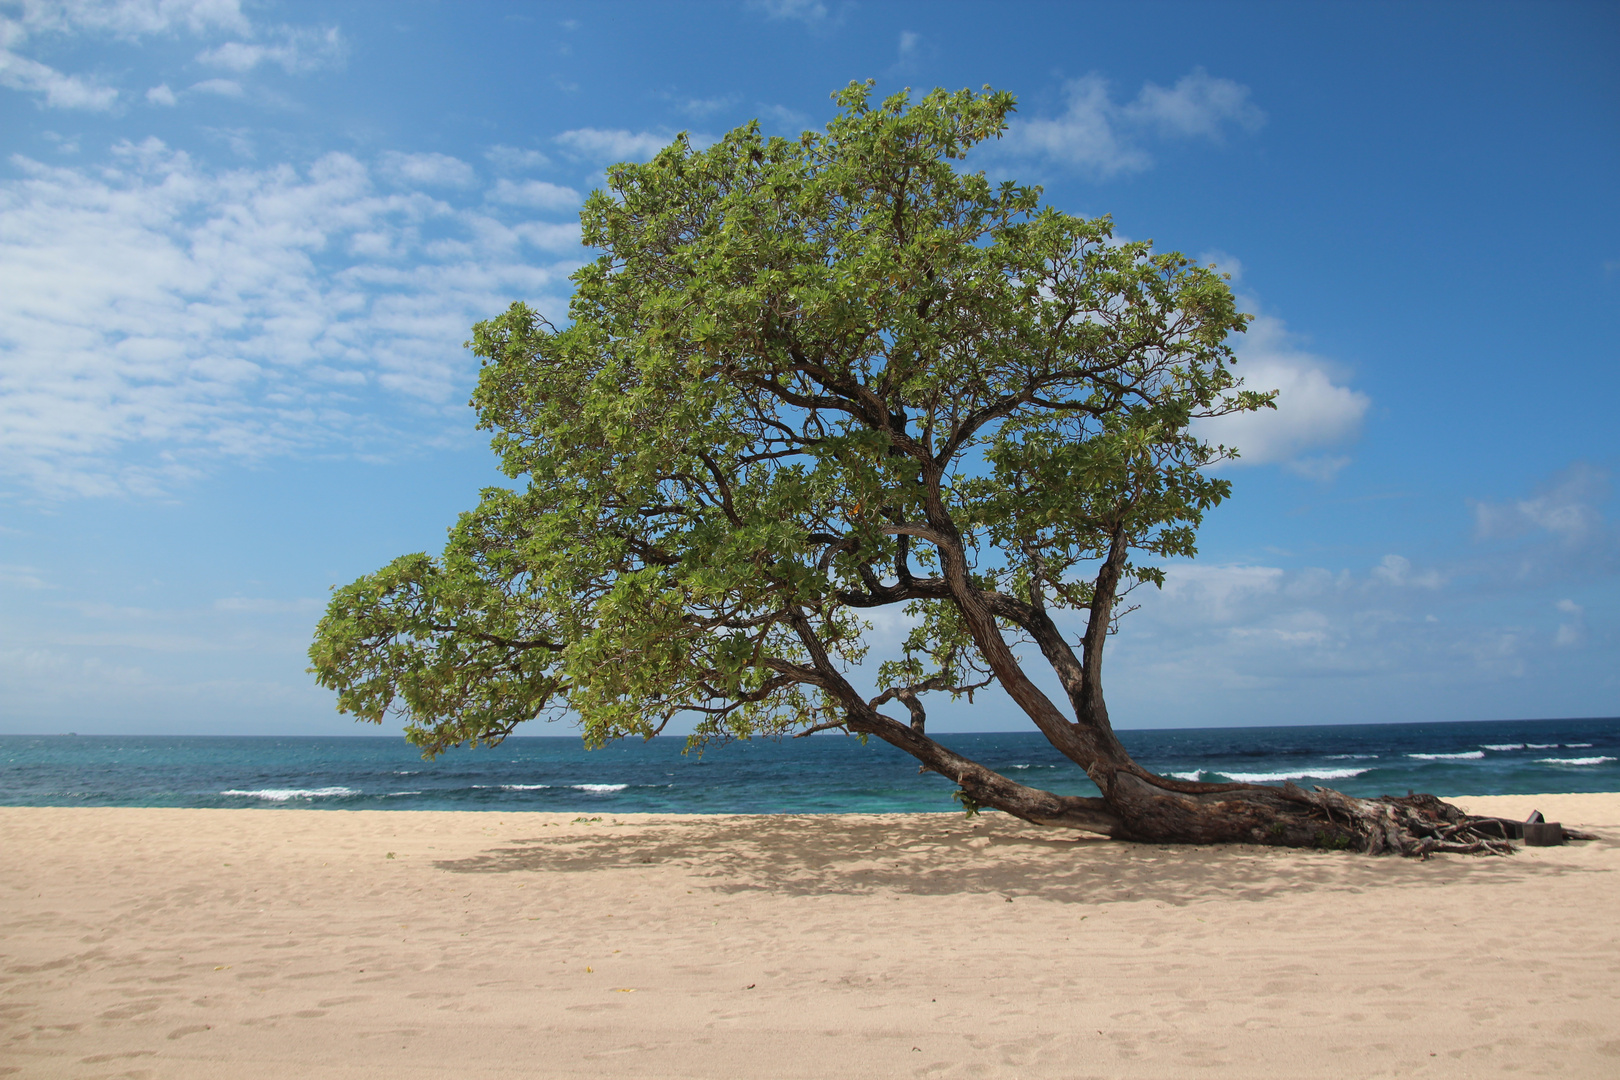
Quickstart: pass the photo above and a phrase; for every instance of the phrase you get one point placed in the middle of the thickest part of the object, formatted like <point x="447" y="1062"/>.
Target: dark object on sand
<point x="1539" y="832"/>
<point x="1534" y="831"/>
<point x="1506" y="828"/>
<point x="1543" y="833"/>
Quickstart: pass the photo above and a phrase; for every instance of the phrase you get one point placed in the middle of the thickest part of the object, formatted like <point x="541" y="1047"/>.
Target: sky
<point x="241" y="245"/>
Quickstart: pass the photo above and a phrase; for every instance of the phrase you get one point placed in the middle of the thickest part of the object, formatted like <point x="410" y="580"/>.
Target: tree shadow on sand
<point x="946" y="855"/>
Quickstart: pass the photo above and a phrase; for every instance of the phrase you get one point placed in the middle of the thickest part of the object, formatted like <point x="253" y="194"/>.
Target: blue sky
<point x="241" y="244"/>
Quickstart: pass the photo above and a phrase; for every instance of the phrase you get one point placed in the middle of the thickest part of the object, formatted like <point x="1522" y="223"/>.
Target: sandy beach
<point x="286" y="943"/>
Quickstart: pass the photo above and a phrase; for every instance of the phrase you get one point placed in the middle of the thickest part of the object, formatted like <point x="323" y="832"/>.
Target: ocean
<point x="819" y="775"/>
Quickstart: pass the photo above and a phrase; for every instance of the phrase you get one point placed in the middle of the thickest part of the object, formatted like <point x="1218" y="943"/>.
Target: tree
<point x="810" y="378"/>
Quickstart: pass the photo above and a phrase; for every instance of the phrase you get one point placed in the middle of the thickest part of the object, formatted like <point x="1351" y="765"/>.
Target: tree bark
<point x="1137" y="804"/>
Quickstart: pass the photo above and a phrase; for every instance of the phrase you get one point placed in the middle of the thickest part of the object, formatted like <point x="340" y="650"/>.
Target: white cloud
<point x="134" y="18"/>
<point x="1453" y="630"/>
<point x="809" y="11"/>
<point x="1319" y="467"/>
<point x="23" y="577"/>
<point x="548" y="236"/>
<point x="222" y="87"/>
<point x="1217" y="629"/>
<point x="1224" y="262"/>
<point x="908" y="42"/>
<point x="294" y="49"/>
<point x="1571" y="632"/>
<point x="1198" y="106"/>
<point x="161" y="95"/>
<point x="1397" y="570"/>
<point x="1085" y="136"/>
<point x="513" y="159"/>
<point x="427" y="170"/>
<point x="59" y="91"/>
<point x="1566" y="507"/>
<point x="240" y="140"/>
<point x="1217" y="592"/>
<point x="157" y="317"/>
<point x="785" y="117"/>
<point x="603" y="147"/>
<point x="702" y="107"/>
<point x="1313" y="410"/>
<point x="1103" y="138"/>
<point x="535" y="193"/>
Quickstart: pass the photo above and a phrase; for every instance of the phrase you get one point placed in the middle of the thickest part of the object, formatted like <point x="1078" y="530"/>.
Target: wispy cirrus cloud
<point x="427" y="170"/>
<point x="536" y="193"/>
<point x="294" y="49"/>
<point x="702" y="108"/>
<point x="1474" y="621"/>
<point x="158" y="316"/>
<point x="53" y="88"/>
<point x="221" y="87"/>
<point x="602" y="146"/>
<point x="1224" y="642"/>
<point x="23" y="23"/>
<point x="133" y="19"/>
<point x="1104" y="138"/>
<point x="805" y="11"/>
<point x="515" y="159"/>
<point x="1568" y="507"/>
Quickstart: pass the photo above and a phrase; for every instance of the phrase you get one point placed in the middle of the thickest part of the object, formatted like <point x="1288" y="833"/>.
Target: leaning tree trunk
<point x="1137" y="805"/>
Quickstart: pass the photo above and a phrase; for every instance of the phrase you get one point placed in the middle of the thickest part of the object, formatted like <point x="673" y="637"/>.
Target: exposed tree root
<point x="1412" y="825"/>
<point x="1137" y="805"/>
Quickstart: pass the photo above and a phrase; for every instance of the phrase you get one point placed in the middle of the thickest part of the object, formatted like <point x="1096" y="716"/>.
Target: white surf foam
<point x="1350" y="757"/>
<point x="285" y="794"/>
<point x="523" y="787"/>
<point x="1502" y="747"/>
<point x="1271" y="777"/>
<point x="1302" y="774"/>
<point x="1466" y="755"/>
<point x="1576" y="745"/>
<point x="1574" y="760"/>
<point x="599" y="788"/>
<point x="1541" y="746"/>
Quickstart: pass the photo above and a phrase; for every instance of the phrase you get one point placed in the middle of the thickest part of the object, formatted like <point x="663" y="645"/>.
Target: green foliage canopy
<point x="803" y="379"/>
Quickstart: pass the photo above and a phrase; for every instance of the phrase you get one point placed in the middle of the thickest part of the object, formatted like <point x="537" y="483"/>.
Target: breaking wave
<point x="1502" y="747"/>
<point x="286" y="794"/>
<point x="1466" y="755"/>
<point x="1271" y="777"/>
<point x="1574" y="760"/>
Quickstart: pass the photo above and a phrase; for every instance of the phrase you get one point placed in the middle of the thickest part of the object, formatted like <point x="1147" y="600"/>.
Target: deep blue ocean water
<point x="816" y="775"/>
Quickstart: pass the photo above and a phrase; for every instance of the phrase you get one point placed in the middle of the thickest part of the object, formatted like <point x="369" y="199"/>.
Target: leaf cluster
<point x="801" y="378"/>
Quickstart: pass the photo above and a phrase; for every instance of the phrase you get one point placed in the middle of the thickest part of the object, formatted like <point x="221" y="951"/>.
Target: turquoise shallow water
<point x="818" y="775"/>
